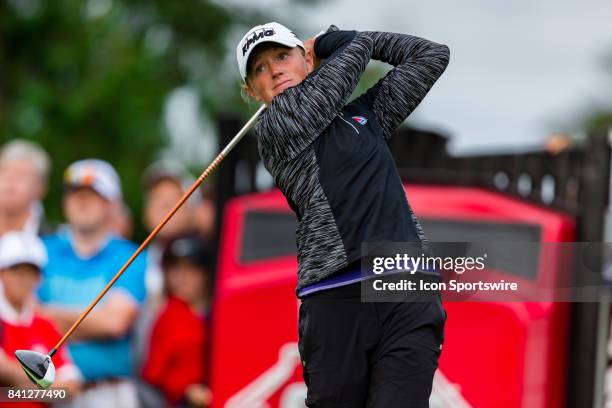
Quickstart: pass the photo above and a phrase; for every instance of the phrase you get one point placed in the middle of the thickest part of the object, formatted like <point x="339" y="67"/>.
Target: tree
<point x="89" y="78"/>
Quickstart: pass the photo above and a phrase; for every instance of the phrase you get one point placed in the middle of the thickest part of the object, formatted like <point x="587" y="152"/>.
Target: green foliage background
<point x="89" y="78"/>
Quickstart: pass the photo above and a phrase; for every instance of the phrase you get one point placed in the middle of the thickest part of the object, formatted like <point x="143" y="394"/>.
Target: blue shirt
<point x="70" y="281"/>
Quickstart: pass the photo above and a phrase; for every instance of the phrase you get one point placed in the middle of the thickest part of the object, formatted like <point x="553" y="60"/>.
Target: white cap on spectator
<point x="96" y="174"/>
<point x="18" y="247"/>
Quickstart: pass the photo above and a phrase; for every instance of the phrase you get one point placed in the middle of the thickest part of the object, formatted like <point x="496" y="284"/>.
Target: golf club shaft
<point x="153" y="233"/>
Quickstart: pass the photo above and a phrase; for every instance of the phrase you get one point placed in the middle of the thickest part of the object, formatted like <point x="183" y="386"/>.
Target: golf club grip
<point x="155" y="231"/>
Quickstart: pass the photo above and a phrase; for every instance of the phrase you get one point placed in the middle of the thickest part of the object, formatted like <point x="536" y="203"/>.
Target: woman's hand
<point x="309" y="46"/>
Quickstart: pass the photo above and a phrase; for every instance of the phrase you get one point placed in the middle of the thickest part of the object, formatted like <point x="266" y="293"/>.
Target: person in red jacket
<point x="177" y="351"/>
<point x="22" y="255"/>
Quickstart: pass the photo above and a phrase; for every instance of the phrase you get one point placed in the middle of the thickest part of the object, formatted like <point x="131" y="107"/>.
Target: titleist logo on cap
<point x="257" y="35"/>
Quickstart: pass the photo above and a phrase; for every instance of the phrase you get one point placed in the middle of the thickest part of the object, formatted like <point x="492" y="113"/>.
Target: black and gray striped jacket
<point x="330" y="158"/>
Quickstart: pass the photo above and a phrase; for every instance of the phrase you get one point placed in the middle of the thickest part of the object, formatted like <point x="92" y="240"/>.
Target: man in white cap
<point x="22" y="255"/>
<point x="83" y="258"/>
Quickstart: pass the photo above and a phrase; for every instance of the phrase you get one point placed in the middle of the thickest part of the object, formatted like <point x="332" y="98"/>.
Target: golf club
<point x="39" y="367"/>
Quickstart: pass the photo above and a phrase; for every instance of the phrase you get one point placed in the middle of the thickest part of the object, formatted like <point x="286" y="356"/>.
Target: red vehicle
<point x="501" y="354"/>
<point x="492" y="349"/>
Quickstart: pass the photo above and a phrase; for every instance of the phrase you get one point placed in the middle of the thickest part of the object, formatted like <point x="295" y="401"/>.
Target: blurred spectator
<point x="24" y="168"/>
<point x="206" y="212"/>
<point x="179" y="334"/>
<point x="22" y="255"/>
<point x="165" y="183"/>
<point x="122" y="220"/>
<point x="556" y="143"/>
<point x="83" y="258"/>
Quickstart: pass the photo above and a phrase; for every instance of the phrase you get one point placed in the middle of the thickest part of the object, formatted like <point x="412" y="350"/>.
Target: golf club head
<point x="37" y="366"/>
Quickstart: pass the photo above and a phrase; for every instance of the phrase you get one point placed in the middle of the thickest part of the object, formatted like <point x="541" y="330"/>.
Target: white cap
<point x="269" y="32"/>
<point x="95" y="174"/>
<point x="19" y="247"/>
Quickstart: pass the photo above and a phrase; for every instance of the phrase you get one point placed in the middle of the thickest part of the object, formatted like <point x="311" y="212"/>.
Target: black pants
<point x="376" y="355"/>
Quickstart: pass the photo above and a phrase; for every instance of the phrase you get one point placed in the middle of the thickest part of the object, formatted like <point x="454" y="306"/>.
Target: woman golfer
<point x="330" y="159"/>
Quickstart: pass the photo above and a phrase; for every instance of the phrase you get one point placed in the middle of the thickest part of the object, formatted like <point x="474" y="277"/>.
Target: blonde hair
<point x="245" y="95"/>
<point x="19" y="149"/>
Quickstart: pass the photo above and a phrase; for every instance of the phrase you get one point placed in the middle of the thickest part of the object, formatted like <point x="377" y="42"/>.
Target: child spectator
<point x="22" y="255"/>
<point x="178" y="341"/>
